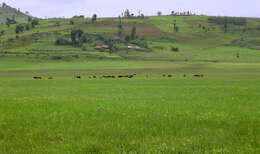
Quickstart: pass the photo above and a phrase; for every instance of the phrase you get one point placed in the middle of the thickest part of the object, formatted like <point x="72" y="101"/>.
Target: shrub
<point x="62" y="41"/>
<point x="34" y="22"/>
<point x="19" y="28"/>
<point x="2" y="32"/>
<point x="72" y="22"/>
<point x="175" y="49"/>
<point x="27" y="27"/>
<point x="56" y="57"/>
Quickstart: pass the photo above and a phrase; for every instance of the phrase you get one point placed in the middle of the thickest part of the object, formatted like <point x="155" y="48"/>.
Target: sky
<point x="113" y="8"/>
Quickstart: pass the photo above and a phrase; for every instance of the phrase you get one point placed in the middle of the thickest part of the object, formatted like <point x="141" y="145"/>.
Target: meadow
<point x="215" y="114"/>
<point x="218" y="113"/>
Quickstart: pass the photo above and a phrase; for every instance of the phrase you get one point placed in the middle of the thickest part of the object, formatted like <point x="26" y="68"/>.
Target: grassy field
<point x="149" y="113"/>
<point x="215" y="114"/>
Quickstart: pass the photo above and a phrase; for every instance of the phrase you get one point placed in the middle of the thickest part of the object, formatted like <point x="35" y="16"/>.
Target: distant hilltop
<point x="7" y="11"/>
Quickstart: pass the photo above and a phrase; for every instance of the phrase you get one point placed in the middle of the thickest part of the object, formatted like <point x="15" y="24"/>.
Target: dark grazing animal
<point x="37" y="77"/>
<point x="130" y="76"/>
<point x="122" y="76"/>
<point x="50" y="78"/>
<point x="77" y="77"/>
<point x="126" y="76"/>
<point x="199" y="75"/>
<point x="169" y="76"/>
<point x="108" y="76"/>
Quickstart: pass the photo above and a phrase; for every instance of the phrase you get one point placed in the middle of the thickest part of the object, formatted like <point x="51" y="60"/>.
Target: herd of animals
<point x="119" y="76"/>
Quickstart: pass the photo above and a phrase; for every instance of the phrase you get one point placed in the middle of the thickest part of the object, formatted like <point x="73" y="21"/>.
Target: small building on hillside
<point x="100" y="47"/>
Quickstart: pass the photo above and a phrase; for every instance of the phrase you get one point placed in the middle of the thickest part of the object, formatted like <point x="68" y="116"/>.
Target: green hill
<point x="171" y="38"/>
<point x="7" y="11"/>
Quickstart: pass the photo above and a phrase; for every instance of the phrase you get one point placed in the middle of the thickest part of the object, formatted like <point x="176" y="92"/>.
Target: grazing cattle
<point x="130" y="76"/>
<point x="37" y="77"/>
<point x="108" y="76"/>
<point x="126" y="76"/>
<point x="50" y="78"/>
<point x="169" y="76"/>
<point x="122" y="76"/>
<point x="94" y="77"/>
<point x="199" y="75"/>
<point x="77" y="77"/>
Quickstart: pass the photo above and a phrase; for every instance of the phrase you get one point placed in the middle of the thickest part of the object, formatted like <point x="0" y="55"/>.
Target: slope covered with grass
<point x="196" y="38"/>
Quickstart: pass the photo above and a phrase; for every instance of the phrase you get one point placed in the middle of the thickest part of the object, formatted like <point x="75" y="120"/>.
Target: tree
<point x="142" y="16"/>
<point x="133" y="33"/>
<point x="176" y="29"/>
<point x="13" y="17"/>
<point x="159" y="13"/>
<point x="94" y="18"/>
<point x="238" y="55"/>
<point x="2" y="32"/>
<point x="57" y="24"/>
<point x="4" y="5"/>
<point x="127" y="14"/>
<point x="127" y="40"/>
<point x="10" y="21"/>
<point x="34" y="22"/>
<point x="120" y="19"/>
<point x="75" y="36"/>
<point x="225" y="24"/>
<point x="111" y="46"/>
<point x="29" y="19"/>
<point x="19" y="28"/>
<point x="27" y="27"/>
<point x="120" y="29"/>
<point x="71" y="22"/>
<point x="258" y="28"/>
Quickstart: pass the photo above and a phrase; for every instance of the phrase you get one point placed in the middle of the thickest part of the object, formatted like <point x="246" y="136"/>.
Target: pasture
<point x="218" y="113"/>
<point x="50" y="102"/>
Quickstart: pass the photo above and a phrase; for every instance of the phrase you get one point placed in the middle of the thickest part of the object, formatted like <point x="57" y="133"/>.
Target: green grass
<point x="139" y="115"/>
<point x="218" y="113"/>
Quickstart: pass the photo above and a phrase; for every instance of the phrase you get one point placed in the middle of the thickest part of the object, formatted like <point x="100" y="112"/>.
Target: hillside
<point x="170" y="38"/>
<point x="7" y="11"/>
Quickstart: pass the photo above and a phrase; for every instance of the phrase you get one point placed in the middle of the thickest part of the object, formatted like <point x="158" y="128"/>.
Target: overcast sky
<point x="108" y="8"/>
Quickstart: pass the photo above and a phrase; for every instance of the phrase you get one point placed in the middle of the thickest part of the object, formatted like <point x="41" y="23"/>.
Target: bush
<point x="72" y="22"/>
<point x="19" y="28"/>
<point x="56" y="57"/>
<point x="175" y="49"/>
<point x="34" y="22"/>
<point x="62" y="41"/>
<point x="27" y="27"/>
<point x="2" y="32"/>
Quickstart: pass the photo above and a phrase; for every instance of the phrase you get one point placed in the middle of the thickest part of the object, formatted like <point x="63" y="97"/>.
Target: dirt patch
<point x="146" y="30"/>
<point x="195" y="22"/>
